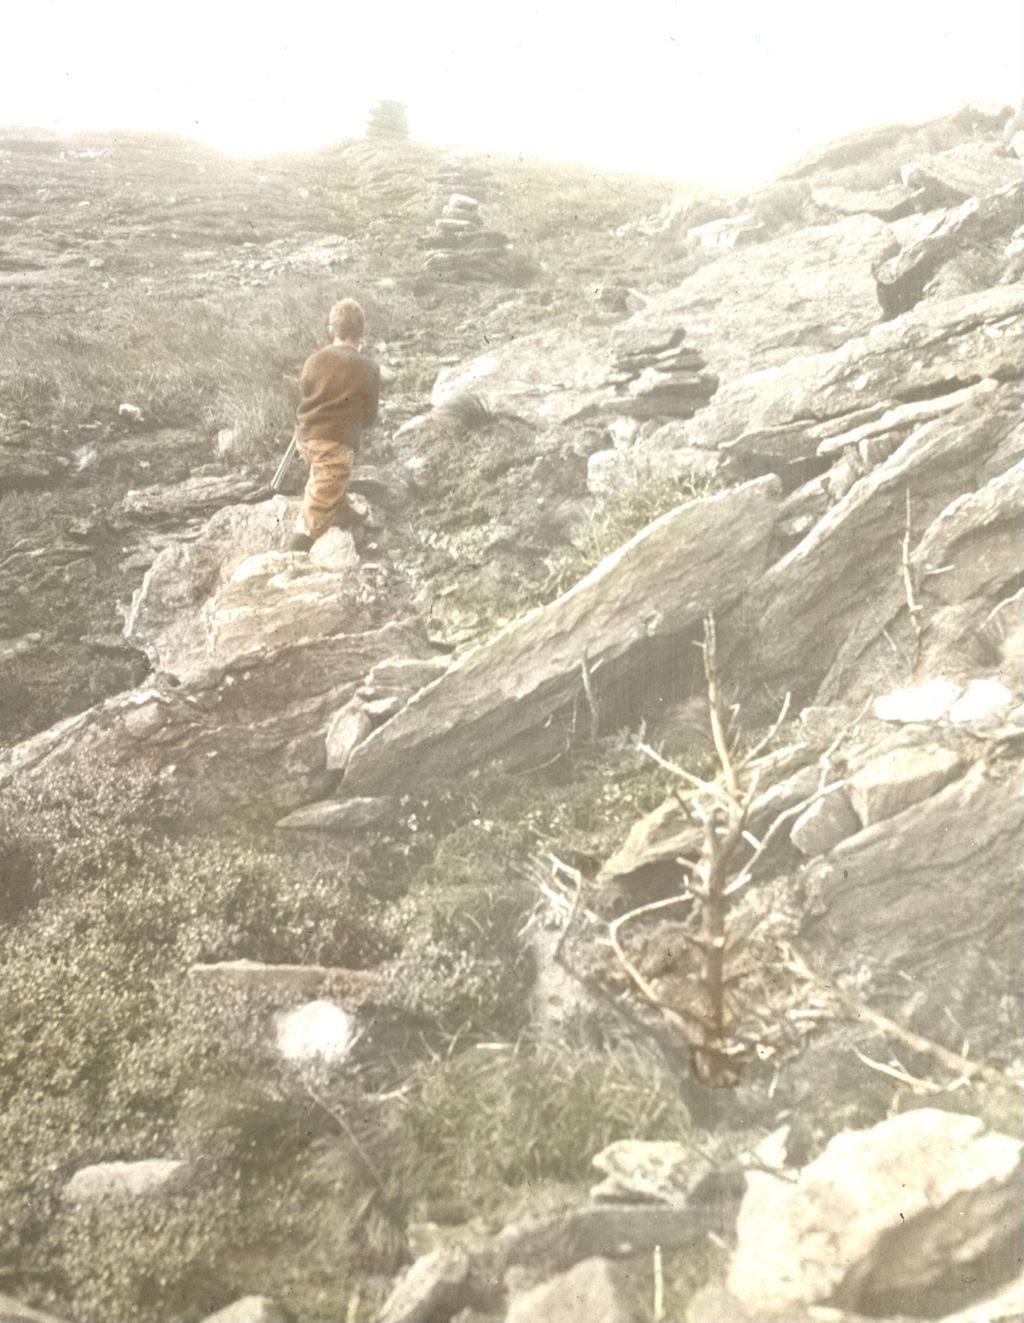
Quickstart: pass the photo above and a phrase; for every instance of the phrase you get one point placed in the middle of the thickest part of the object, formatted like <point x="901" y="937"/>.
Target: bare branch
<point x="765" y="740"/>
<point x="708" y="788"/>
<point x="774" y="830"/>
<point x="592" y="703"/>
<point x="952" y="1061"/>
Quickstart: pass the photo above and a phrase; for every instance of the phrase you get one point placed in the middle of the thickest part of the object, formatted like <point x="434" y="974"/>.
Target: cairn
<point x="462" y="246"/>
<point x="658" y="374"/>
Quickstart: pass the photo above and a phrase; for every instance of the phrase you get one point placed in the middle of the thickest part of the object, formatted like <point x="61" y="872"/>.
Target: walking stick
<point x="283" y="467"/>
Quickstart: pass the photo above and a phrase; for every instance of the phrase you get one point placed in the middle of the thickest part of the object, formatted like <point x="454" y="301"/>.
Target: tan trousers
<point x="330" y="467"/>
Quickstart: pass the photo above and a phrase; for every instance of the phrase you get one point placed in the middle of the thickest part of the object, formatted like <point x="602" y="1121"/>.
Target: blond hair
<point x="347" y="321"/>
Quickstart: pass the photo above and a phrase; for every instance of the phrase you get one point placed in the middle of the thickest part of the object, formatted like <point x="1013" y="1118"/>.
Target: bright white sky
<point x="722" y="92"/>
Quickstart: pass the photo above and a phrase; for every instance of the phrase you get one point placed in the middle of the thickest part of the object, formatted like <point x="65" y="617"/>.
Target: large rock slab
<point x="348" y="987"/>
<point x="249" y="1309"/>
<point x="926" y="352"/>
<point x="435" y="1286"/>
<point x="189" y="499"/>
<point x="546" y="378"/>
<point x="756" y="307"/>
<point x="690" y="561"/>
<point x="819" y="614"/>
<point x="252" y="739"/>
<point x="229" y="594"/>
<point x="915" y="1216"/>
<point x="981" y="225"/>
<point x="127" y="1180"/>
<point x="968" y="170"/>
<point x="893" y="893"/>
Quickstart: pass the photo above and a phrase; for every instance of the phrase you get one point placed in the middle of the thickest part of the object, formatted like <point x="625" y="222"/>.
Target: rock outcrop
<point x="883" y="899"/>
<point x="820" y="614"/>
<point x="513" y="698"/>
<point x="915" y="1217"/>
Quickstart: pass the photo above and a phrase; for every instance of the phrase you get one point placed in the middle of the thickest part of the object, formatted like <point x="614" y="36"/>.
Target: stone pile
<point x="658" y="375"/>
<point x="462" y="246"/>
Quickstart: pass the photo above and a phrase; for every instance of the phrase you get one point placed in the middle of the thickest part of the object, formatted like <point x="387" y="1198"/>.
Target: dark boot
<point x="348" y="517"/>
<point x="300" y="542"/>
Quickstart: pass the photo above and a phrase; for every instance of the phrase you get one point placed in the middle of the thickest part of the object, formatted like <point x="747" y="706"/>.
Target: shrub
<point x="476" y="1127"/>
<point x="106" y="1048"/>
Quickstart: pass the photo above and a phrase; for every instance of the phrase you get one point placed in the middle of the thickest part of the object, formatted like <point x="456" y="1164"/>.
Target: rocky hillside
<point x="638" y="788"/>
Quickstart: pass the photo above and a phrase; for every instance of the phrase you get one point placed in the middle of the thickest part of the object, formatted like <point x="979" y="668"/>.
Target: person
<point x="339" y="391"/>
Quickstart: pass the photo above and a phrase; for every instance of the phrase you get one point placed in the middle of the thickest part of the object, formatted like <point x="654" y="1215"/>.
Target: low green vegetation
<point x="305" y="1187"/>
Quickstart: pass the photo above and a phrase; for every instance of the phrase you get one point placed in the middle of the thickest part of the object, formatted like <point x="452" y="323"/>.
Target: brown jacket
<point x="338" y="394"/>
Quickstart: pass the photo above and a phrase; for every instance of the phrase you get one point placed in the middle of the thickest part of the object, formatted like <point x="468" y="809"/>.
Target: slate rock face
<point x="759" y="306"/>
<point x="500" y="700"/>
<point x="251" y="738"/>
<point x="819" y="613"/>
<point x="884" y="900"/>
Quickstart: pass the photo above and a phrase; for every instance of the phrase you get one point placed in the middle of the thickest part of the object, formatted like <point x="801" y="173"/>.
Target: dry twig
<point x="960" y="1066"/>
<point x="910" y="592"/>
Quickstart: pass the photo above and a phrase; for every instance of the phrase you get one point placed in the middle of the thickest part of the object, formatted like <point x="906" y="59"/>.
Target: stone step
<point x="351" y="987"/>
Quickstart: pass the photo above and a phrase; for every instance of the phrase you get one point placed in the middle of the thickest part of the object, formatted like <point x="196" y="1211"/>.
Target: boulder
<point x="436" y="1286"/>
<point x="508" y="698"/>
<point x="669" y="832"/>
<point x="889" y="203"/>
<point x="916" y="1216"/>
<point x="184" y="575"/>
<point x="824" y="824"/>
<point x="269" y="600"/>
<point x="318" y="1032"/>
<point x="348" y="729"/>
<point x="892" y="893"/>
<point x="776" y="414"/>
<point x="251" y="739"/>
<point x="127" y="1180"/>
<point x="593" y="1291"/>
<point x="877" y="439"/>
<point x="553" y="1244"/>
<point x="727" y="232"/>
<point x="250" y="1309"/>
<point x="929" y="701"/>
<point x="658" y="838"/>
<point x="637" y="1171"/>
<point x="980" y="701"/>
<point x="346" y="815"/>
<point x="894" y="781"/>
